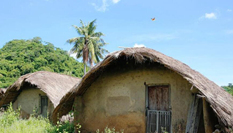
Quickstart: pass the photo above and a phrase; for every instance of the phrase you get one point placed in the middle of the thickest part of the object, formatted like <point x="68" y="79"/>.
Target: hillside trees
<point x="19" y="57"/>
<point x="229" y="88"/>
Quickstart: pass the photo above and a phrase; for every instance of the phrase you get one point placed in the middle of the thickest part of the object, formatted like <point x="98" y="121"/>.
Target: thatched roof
<point x="53" y="84"/>
<point x="2" y="92"/>
<point x="219" y="99"/>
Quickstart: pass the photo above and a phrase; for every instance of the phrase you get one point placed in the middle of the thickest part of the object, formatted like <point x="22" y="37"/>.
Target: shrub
<point x="10" y="122"/>
<point x="66" y="127"/>
<point x="9" y="117"/>
<point x="109" y="130"/>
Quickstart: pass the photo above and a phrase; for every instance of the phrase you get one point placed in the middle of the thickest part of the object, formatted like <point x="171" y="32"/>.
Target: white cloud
<point x="115" y="1"/>
<point x="105" y="5"/>
<point x="229" y="10"/>
<point x="139" y="45"/>
<point x="210" y="15"/>
<point x="102" y="8"/>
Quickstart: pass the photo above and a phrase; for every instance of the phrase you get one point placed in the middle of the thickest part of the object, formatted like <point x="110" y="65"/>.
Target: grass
<point x="10" y="122"/>
<point x="31" y="125"/>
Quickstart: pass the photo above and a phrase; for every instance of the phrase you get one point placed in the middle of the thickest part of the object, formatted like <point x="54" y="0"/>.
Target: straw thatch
<point x="53" y="84"/>
<point x="2" y="92"/>
<point x="220" y="101"/>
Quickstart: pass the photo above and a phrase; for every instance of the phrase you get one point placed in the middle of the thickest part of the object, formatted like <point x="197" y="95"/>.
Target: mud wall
<point x="29" y="100"/>
<point x="117" y="99"/>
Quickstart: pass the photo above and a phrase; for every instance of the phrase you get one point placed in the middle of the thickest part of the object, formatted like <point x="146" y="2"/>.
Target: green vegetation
<point x="10" y="122"/>
<point x="19" y="57"/>
<point x="109" y="130"/>
<point x="89" y="44"/>
<point x="229" y="88"/>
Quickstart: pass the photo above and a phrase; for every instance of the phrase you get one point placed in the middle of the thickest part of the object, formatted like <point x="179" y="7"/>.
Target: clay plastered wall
<point x="28" y="100"/>
<point x="117" y="99"/>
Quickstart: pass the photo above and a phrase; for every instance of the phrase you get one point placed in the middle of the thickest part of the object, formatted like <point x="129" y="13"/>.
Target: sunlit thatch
<point x="219" y="99"/>
<point x="53" y="84"/>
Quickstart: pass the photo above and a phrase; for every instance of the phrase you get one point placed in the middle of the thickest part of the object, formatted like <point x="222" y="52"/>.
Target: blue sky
<point x="198" y="33"/>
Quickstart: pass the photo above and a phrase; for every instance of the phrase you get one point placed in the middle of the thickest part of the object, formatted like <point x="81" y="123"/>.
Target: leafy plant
<point x="109" y="130"/>
<point x="9" y="117"/>
<point x="10" y="122"/>
<point x="164" y="130"/>
<point x="66" y="127"/>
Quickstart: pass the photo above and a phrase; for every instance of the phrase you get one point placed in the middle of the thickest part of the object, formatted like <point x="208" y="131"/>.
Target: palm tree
<point x="89" y="44"/>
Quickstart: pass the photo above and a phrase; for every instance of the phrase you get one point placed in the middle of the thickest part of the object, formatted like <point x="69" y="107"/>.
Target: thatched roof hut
<point x="54" y="85"/>
<point x="219" y="100"/>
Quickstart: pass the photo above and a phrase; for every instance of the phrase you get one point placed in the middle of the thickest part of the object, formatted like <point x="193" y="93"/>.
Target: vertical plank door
<point x="158" y="109"/>
<point x="158" y="97"/>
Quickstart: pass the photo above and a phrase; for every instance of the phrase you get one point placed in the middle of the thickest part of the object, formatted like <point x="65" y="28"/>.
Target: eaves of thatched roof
<point x="53" y="84"/>
<point x="2" y="92"/>
<point x="220" y="101"/>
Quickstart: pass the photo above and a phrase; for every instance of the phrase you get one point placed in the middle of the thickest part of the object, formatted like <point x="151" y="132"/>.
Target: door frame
<point x="147" y="99"/>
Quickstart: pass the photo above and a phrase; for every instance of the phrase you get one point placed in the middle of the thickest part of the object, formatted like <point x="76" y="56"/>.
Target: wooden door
<point x="158" y="97"/>
<point x="158" y="112"/>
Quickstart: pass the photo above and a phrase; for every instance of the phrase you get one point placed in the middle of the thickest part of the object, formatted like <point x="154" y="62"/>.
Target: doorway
<point x="158" y="109"/>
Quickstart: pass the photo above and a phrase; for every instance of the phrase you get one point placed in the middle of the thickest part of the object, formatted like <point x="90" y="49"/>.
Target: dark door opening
<point x="44" y="106"/>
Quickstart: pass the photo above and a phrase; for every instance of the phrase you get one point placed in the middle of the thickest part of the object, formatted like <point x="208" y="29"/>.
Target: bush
<point x="109" y="130"/>
<point x="66" y="127"/>
<point x="10" y="122"/>
<point x="9" y="117"/>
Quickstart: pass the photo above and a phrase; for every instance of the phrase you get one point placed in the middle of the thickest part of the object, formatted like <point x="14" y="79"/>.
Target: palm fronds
<point x="89" y="43"/>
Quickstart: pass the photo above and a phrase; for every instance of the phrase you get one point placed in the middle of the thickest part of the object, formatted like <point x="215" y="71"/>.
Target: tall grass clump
<point x="10" y="122"/>
<point x="9" y="117"/>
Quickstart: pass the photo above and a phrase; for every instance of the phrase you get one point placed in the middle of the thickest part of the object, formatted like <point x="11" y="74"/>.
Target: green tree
<point x="89" y="44"/>
<point x="229" y="88"/>
<point x="19" y="57"/>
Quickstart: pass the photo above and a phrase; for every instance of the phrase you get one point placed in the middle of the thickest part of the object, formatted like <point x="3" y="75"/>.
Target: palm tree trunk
<point x="85" y="68"/>
<point x="85" y="57"/>
<point x="91" y="62"/>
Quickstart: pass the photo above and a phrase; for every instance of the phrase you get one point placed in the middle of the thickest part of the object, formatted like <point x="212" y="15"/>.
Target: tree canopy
<point x="229" y="88"/>
<point x="19" y="57"/>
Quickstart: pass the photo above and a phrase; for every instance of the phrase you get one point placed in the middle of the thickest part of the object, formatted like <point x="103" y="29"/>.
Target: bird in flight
<point x="153" y="19"/>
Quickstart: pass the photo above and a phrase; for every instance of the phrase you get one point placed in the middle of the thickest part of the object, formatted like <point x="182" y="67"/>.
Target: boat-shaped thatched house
<point x="39" y="92"/>
<point x="142" y="90"/>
